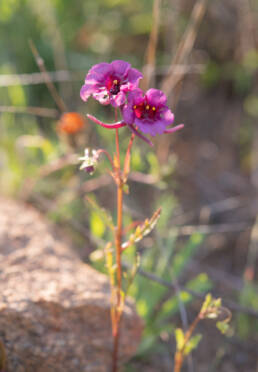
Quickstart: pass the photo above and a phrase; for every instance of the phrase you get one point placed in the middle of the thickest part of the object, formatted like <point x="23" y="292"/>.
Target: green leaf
<point x="143" y="230"/>
<point x="180" y="338"/>
<point x="223" y="327"/>
<point x="192" y="343"/>
<point x="102" y="215"/>
<point x="97" y="226"/>
<point x="201" y="283"/>
<point x="206" y="303"/>
<point x="183" y="256"/>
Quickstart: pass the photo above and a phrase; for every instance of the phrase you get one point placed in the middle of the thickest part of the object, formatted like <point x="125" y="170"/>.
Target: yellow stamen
<point x="115" y="82"/>
<point x="147" y="107"/>
<point x="153" y="108"/>
<point x="134" y="106"/>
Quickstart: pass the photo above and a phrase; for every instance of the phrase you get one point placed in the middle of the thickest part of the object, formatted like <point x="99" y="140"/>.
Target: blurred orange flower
<point x="71" y="123"/>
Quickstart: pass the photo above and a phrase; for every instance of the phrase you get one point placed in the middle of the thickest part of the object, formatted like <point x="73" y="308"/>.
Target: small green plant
<point x="116" y="84"/>
<point x="186" y="342"/>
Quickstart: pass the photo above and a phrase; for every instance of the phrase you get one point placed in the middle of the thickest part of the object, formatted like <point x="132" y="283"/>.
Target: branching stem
<point x="179" y="355"/>
<point x="121" y="176"/>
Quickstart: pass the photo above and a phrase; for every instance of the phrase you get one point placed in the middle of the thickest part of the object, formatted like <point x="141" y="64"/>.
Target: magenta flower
<point x="148" y="112"/>
<point x="109" y="82"/>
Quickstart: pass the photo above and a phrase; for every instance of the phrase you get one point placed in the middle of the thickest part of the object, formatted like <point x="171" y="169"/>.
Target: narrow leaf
<point x="192" y="344"/>
<point x="180" y="338"/>
<point x="143" y="229"/>
<point x="102" y="213"/>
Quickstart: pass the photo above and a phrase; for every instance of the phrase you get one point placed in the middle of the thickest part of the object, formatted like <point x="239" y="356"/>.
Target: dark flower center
<point x="145" y="111"/>
<point x="113" y="86"/>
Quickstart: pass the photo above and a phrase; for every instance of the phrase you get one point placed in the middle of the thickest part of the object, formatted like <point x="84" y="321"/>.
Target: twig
<point x="46" y="12"/>
<point x="230" y="304"/>
<point x="37" y="111"/>
<point x="219" y="276"/>
<point x="150" y="56"/>
<point x="35" y="78"/>
<point x="211" y="229"/>
<point x="214" y="208"/>
<point x="186" y="45"/>
<point x="52" y="89"/>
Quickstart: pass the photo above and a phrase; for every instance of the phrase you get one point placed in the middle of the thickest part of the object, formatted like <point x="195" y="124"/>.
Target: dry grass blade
<point x="211" y="229"/>
<point x="39" y="78"/>
<point x="186" y="45"/>
<point x="59" y="76"/>
<point x="150" y="56"/>
<point x="52" y="89"/>
<point x="37" y="111"/>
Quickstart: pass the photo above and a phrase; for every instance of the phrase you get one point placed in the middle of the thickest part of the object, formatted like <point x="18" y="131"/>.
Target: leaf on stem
<point x="130" y="275"/>
<point x="180" y="339"/>
<point x="143" y="230"/>
<point x="192" y="344"/>
<point x="102" y="213"/>
<point x="212" y="309"/>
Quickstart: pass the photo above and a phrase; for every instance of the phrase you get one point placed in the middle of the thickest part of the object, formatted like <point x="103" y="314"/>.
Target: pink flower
<point x="109" y="82"/>
<point x="148" y="112"/>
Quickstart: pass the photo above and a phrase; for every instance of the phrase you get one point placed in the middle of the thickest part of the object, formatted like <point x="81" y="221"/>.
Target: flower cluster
<point x="116" y="83"/>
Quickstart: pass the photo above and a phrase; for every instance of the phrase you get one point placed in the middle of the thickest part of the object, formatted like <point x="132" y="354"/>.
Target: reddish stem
<point x="102" y="151"/>
<point x="128" y="158"/>
<point x="116" y="331"/>
<point x="179" y="356"/>
<point x="116" y="125"/>
<point x="118" y="243"/>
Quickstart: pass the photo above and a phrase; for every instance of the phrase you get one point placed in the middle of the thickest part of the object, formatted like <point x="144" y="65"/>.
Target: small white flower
<point x="89" y="160"/>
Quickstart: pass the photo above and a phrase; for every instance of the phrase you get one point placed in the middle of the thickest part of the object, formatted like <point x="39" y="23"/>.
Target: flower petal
<point x="88" y="89"/>
<point x="102" y="97"/>
<point x="167" y="116"/>
<point x="101" y="69"/>
<point x="156" y="97"/>
<point x="136" y="97"/>
<point x="128" y="114"/>
<point x="118" y="99"/>
<point x="120" y="67"/>
<point x="150" y="127"/>
<point x="134" y="76"/>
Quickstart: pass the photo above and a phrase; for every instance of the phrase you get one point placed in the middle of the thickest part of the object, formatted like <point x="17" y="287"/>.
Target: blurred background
<point x="204" y="55"/>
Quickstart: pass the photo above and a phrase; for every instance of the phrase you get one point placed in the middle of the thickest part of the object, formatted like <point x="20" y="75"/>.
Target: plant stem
<point x="179" y="356"/>
<point x="118" y="310"/>
<point x="121" y="177"/>
<point x="118" y="238"/>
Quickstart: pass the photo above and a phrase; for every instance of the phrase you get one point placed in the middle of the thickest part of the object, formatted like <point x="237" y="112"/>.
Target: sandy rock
<point x="54" y="309"/>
